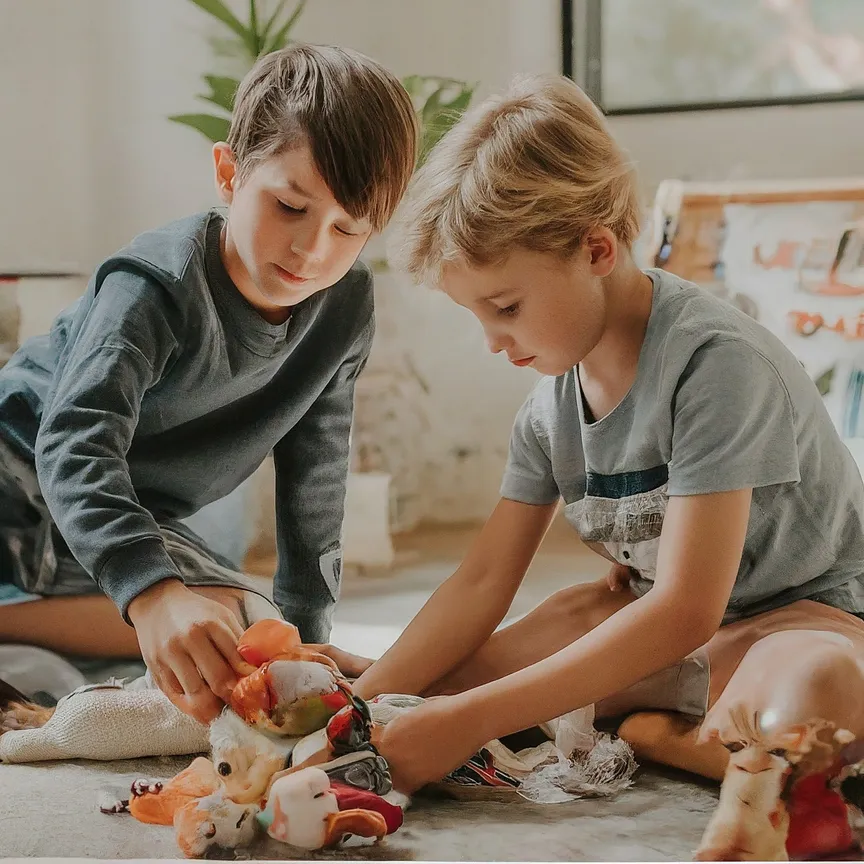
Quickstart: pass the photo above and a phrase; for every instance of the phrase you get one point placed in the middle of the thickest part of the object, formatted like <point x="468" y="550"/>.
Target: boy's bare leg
<point x="87" y="625"/>
<point x="556" y="623"/>
<point x="769" y="705"/>
<point x="670" y="738"/>
<point x="675" y="740"/>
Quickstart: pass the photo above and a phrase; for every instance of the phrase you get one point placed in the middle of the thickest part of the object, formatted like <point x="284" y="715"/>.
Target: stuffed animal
<point x="215" y="822"/>
<point x="157" y="803"/>
<point x="246" y="758"/>
<point x="308" y="811"/>
<point x="295" y="690"/>
<point x="818" y="820"/>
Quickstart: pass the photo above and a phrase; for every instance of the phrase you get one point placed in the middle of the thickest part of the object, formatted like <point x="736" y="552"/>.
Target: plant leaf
<point x="280" y="38"/>
<point x="211" y="127"/>
<point x="413" y="84"/>
<point x="823" y="382"/>
<point x="222" y="13"/>
<point x="439" y="115"/>
<point x="271" y="22"/>
<point x="255" y="42"/>
<point x="222" y="91"/>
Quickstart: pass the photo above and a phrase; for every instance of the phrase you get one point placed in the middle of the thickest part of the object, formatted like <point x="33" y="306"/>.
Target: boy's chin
<point x="550" y="367"/>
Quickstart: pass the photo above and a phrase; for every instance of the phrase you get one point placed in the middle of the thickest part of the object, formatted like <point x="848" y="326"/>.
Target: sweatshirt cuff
<point x="132" y="569"/>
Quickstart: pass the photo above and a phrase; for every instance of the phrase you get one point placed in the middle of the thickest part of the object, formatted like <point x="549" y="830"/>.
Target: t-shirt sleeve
<point x="528" y="476"/>
<point x="733" y="423"/>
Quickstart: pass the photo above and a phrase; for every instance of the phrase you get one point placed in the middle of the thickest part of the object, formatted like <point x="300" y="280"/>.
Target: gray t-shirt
<point x="718" y="404"/>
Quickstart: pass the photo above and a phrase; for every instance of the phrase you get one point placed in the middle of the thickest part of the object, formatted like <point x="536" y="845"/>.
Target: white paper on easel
<point x="784" y="259"/>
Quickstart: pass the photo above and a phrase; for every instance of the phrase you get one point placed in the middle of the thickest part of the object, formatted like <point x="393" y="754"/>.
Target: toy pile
<point x="292" y="757"/>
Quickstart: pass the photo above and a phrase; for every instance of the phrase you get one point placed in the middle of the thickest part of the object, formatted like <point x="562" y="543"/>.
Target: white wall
<point x="45" y="212"/>
<point x="89" y="160"/>
<point x="767" y="143"/>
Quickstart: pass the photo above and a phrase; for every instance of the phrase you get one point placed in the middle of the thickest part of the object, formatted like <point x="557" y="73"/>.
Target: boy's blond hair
<point x="535" y="168"/>
<point x="356" y="117"/>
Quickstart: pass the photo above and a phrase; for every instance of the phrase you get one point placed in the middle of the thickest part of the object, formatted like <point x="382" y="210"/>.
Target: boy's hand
<point x="425" y="744"/>
<point x="350" y="665"/>
<point x="618" y="578"/>
<point x="189" y="643"/>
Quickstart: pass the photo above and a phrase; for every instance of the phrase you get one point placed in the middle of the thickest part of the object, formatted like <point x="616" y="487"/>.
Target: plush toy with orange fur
<point x="295" y="690"/>
<point x="157" y="803"/>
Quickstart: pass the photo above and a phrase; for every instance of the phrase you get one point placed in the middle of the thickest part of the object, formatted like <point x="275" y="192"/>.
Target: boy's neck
<point x="238" y="274"/>
<point x="629" y="296"/>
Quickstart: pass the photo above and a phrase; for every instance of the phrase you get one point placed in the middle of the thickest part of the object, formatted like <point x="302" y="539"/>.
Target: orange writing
<point x="816" y="254"/>
<point x="782" y="259"/>
<point x="807" y="323"/>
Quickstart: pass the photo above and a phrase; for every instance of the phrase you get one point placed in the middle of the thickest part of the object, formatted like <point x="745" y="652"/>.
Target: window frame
<point x="582" y="60"/>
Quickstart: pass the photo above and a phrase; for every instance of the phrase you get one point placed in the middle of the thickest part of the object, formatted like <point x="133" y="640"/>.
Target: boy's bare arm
<point x="700" y="552"/>
<point x="698" y="561"/>
<point x="464" y="612"/>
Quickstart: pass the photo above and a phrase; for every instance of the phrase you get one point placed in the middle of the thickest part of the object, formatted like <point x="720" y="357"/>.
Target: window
<point x="639" y="56"/>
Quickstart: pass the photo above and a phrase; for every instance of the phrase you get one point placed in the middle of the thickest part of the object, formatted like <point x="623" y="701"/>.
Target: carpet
<point x="51" y="810"/>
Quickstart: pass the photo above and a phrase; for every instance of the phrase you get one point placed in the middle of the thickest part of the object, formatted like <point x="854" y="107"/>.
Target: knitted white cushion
<point x="107" y="722"/>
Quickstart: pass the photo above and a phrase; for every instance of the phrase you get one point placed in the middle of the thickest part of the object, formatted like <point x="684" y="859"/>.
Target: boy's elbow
<point x="691" y="624"/>
<point x="698" y="628"/>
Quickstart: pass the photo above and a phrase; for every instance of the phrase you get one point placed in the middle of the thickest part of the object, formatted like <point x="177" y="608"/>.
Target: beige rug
<point x="51" y="810"/>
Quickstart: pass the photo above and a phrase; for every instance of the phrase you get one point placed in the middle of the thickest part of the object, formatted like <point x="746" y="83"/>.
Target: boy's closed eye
<point x="510" y="311"/>
<point x="298" y="211"/>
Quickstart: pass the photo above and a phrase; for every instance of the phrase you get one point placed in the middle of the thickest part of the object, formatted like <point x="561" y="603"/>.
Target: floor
<point x="375" y="606"/>
<point x="51" y="809"/>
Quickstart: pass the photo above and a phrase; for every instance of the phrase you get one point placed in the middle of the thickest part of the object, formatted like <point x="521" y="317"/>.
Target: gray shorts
<point x="683" y="687"/>
<point x="36" y="562"/>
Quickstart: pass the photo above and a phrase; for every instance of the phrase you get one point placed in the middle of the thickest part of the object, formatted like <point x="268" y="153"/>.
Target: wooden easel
<point x="687" y="220"/>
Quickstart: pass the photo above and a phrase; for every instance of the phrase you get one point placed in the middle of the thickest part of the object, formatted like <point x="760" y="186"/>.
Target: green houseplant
<point x="439" y="101"/>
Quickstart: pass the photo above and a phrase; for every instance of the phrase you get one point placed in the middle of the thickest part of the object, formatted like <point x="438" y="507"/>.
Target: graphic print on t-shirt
<point x="625" y="513"/>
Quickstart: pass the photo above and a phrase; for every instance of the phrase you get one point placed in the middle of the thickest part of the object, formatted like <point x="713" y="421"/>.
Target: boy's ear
<point x="602" y="247"/>
<point x="225" y="166"/>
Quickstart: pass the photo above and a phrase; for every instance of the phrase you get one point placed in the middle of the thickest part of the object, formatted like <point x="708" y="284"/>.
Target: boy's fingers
<point x="183" y="685"/>
<point x="349" y="664"/>
<point x="204" y="707"/>
<point x="234" y="625"/>
<point x="168" y="682"/>
<point x="226" y="644"/>
<point x="618" y="578"/>
<point x="214" y="669"/>
<point x="188" y="675"/>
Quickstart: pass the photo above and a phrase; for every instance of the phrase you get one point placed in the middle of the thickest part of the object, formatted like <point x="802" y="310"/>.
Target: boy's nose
<point x="310" y="247"/>
<point x="497" y="342"/>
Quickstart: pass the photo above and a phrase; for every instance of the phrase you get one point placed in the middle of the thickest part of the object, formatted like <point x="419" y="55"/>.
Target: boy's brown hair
<point x="356" y="117"/>
<point x="535" y="168"/>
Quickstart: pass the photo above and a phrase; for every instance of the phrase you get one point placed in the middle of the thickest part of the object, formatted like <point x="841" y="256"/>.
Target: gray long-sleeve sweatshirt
<point x="162" y="389"/>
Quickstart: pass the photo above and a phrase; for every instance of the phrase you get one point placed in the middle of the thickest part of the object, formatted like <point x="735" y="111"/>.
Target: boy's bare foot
<point x="17" y="712"/>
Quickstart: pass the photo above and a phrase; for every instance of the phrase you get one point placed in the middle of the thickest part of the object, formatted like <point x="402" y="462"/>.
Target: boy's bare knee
<point x="825" y="685"/>
<point x="588" y="604"/>
<point x="830" y="686"/>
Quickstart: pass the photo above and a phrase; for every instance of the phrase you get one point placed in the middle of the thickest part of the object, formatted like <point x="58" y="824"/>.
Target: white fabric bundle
<point x="106" y="722"/>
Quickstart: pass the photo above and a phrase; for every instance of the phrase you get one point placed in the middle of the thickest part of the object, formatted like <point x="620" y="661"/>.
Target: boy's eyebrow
<point x="296" y="187"/>
<point x="497" y="294"/>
